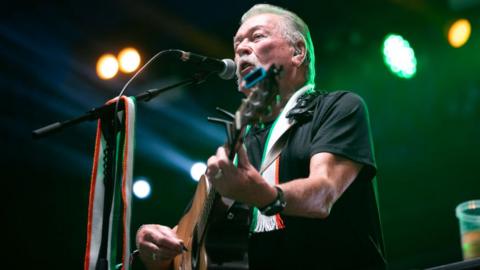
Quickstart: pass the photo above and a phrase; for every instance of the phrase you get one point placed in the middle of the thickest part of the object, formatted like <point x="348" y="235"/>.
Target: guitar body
<point x="191" y="233"/>
<point x="213" y="236"/>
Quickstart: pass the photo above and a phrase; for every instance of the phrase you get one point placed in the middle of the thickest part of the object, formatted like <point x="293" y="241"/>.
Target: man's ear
<point x="299" y="53"/>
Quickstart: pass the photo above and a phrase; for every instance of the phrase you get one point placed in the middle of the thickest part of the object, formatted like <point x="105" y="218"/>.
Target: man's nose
<point x="243" y="49"/>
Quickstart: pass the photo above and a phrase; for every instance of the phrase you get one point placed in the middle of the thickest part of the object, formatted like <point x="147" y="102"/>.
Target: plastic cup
<point x="468" y="214"/>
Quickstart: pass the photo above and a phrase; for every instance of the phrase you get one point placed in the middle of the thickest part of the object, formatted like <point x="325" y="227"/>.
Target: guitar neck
<point x="235" y="142"/>
<point x="207" y="208"/>
<point x="250" y="111"/>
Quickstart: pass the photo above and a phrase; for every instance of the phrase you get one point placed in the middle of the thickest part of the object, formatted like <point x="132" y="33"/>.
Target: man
<point x="314" y="206"/>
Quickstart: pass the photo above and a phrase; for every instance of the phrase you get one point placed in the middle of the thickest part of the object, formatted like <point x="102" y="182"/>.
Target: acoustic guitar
<point x="208" y="214"/>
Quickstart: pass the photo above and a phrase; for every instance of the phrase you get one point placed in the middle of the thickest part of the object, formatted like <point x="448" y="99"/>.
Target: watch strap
<point x="276" y="206"/>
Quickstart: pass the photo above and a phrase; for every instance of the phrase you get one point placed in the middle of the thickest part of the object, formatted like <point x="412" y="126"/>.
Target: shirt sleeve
<point x="342" y="127"/>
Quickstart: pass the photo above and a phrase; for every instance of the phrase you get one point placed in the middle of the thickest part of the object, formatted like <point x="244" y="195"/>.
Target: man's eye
<point x="257" y="36"/>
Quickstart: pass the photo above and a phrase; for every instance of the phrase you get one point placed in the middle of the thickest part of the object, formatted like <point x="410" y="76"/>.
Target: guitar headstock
<point x="258" y="104"/>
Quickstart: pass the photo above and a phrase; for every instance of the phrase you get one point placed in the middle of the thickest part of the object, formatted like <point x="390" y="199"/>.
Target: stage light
<point x="107" y="66"/>
<point x="399" y="56"/>
<point x="141" y="189"/>
<point x="459" y="33"/>
<point x="197" y="170"/>
<point x="129" y="60"/>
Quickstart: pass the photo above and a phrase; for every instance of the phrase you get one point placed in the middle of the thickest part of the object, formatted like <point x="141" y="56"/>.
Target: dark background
<point x="426" y="130"/>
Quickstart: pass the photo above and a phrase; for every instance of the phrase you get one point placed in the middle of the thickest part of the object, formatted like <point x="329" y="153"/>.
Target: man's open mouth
<point x="245" y="68"/>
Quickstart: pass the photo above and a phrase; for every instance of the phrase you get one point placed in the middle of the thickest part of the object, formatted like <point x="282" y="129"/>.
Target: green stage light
<point x="399" y="56"/>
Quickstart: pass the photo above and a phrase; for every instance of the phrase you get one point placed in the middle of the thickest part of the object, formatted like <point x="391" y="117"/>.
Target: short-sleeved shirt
<point x="350" y="237"/>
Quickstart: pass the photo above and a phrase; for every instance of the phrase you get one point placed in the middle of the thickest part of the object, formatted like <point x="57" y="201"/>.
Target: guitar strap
<point x="270" y="166"/>
<point x="120" y="213"/>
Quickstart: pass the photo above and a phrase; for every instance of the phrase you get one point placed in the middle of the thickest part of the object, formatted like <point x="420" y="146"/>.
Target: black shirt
<point x="350" y="237"/>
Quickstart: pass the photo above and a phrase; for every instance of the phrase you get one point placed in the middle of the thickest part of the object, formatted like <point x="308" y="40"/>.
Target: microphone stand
<point x="99" y="112"/>
<point x="106" y="114"/>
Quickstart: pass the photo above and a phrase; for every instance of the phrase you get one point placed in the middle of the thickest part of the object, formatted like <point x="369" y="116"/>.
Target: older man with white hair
<point x="314" y="207"/>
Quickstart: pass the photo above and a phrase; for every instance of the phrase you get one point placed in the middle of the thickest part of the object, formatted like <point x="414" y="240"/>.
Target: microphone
<point x="225" y="68"/>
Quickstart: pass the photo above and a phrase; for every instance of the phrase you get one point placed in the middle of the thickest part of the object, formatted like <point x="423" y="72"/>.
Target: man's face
<point x="259" y="42"/>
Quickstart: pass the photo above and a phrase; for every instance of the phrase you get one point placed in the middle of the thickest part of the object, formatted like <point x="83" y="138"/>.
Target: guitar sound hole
<point x="194" y="251"/>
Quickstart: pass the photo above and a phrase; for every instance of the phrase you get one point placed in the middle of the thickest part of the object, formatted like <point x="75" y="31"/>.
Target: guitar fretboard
<point x="207" y="207"/>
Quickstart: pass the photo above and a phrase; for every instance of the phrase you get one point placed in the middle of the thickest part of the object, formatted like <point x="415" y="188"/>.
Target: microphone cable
<point x="157" y="55"/>
<point x="115" y="112"/>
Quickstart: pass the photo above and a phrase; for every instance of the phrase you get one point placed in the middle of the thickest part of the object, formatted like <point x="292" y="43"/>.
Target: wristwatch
<point x="276" y="206"/>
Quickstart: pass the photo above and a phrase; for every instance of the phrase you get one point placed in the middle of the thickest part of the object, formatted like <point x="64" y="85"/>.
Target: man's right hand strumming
<point x="158" y="245"/>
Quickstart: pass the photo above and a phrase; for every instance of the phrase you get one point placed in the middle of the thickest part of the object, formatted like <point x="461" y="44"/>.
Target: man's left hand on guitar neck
<point x="242" y="183"/>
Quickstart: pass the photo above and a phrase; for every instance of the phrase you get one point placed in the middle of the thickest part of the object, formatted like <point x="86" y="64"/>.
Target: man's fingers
<point x="168" y="242"/>
<point x="163" y="237"/>
<point x="148" y="250"/>
<point x="166" y="254"/>
<point x="222" y="153"/>
<point x="170" y="233"/>
<point x="179" y="245"/>
<point x="212" y="166"/>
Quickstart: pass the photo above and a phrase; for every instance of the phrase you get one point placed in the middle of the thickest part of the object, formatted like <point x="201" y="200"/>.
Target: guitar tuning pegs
<point x="225" y="112"/>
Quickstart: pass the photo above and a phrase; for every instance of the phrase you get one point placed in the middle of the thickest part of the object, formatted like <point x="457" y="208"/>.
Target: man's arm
<point x="329" y="177"/>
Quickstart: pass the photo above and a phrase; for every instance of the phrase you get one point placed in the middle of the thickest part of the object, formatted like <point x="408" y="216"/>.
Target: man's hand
<point x="242" y="183"/>
<point x="158" y="245"/>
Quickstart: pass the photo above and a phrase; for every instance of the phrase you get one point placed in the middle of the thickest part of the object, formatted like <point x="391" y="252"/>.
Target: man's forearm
<point x="308" y="198"/>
